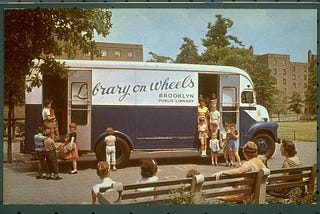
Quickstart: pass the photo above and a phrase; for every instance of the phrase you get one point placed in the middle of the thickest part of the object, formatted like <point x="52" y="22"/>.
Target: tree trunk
<point x="10" y="119"/>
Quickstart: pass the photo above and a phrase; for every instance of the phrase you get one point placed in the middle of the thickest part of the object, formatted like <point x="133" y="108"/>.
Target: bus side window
<point x="247" y="97"/>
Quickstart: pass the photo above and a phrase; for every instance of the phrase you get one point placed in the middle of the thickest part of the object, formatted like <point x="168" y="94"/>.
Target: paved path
<point x="21" y="187"/>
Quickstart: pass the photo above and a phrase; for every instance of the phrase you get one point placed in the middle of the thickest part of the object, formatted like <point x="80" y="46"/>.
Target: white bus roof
<point x="96" y="64"/>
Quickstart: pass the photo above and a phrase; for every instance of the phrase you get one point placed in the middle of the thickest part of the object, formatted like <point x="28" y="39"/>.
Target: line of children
<point x="227" y="141"/>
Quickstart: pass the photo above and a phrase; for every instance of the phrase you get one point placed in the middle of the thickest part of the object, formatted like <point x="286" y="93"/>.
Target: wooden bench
<point x="252" y="183"/>
<point x="207" y="189"/>
<point x="200" y="188"/>
<point x="298" y="176"/>
<point x="128" y="194"/>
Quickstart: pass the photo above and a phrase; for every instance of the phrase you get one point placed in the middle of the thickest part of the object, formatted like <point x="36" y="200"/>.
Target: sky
<point x="278" y="31"/>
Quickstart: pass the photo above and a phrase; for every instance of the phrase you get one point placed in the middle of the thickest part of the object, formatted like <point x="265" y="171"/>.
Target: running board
<point x="137" y="154"/>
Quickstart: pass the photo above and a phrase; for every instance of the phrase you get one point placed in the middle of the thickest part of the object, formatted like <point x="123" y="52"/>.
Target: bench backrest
<point x="252" y="183"/>
<point x="159" y="193"/>
<point x="297" y="176"/>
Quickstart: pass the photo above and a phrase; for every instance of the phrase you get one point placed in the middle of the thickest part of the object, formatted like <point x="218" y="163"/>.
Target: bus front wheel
<point x="265" y="143"/>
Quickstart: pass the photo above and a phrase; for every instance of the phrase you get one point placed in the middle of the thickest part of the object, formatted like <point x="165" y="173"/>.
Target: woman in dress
<point x="253" y="163"/>
<point x="288" y="150"/>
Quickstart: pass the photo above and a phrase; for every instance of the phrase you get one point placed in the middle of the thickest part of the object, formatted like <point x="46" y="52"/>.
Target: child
<point x="71" y="148"/>
<point x="202" y="133"/>
<point x="225" y="142"/>
<point x="110" y="141"/>
<point x="40" y="149"/>
<point x="234" y="146"/>
<point x="103" y="171"/>
<point x="214" y="146"/>
<point x="51" y="157"/>
<point x="192" y="172"/>
<point x="149" y="169"/>
<point x="214" y="115"/>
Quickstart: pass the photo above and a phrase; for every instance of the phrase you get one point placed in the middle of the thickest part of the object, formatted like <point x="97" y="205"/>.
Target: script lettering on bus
<point x="125" y="90"/>
<point x="82" y="93"/>
<point x="121" y="90"/>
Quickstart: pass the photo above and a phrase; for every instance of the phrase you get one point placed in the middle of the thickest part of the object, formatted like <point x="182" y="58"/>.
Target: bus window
<point x="229" y="97"/>
<point x="229" y="105"/>
<point x="247" y="97"/>
<point x="79" y="103"/>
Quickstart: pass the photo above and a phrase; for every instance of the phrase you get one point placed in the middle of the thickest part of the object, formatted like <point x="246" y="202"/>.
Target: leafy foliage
<point x="158" y="58"/>
<point x="217" y="36"/>
<point x="311" y="93"/>
<point x="295" y="103"/>
<point x="42" y="34"/>
<point x="38" y="35"/>
<point x="181" y="195"/>
<point x="188" y="52"/>
<point x="280" y="103"/>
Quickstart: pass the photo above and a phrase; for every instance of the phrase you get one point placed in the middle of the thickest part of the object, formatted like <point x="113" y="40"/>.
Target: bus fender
<point x="117" y="134"/>
<point x="268" y="127"/>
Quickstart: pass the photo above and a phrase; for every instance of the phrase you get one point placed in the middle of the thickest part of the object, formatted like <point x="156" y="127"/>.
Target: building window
<point x="305" y="69"/>
<point x="294" y="85"/>
<point x="274" y="61"/>
<point x="293" y="77"/>
<point x="284" y="90"/>
<point x="104" y="53"/>
<point x="284" y="82"/>
<point x="88" y="54"/>
<point x="294" y="68"/>
<point x="274" y="71"/>
<point x="305" y="77"/>
<point x="117" y="53"/>
<point x="305" y="85"/>
<point x="130" y="54"/>
<point x="284" y="72"/>
<point x="283" y="62"/>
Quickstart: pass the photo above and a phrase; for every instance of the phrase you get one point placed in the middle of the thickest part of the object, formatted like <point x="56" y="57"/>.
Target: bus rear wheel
<point x="265" y="143"/>
<point x="122" y="152"/>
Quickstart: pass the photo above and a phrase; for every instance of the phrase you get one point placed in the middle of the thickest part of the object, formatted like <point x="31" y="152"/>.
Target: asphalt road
<point x="21" y="187"/>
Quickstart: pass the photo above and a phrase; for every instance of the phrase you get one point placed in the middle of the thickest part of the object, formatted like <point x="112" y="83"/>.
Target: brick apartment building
<point x="113" y="52"/>
<point x="290" y="76"/>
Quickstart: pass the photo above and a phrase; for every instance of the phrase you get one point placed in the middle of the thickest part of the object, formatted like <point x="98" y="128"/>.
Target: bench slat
<point x="288" y="177"/>
<point x="286" y="185"/>
<point x="228" y="192"/>
<point x="157" y="184"/>
<point x="294" y="169"/>
<point x="147" y="193"/>
<point x="227" y="183"/>
<point x="246" y="175"/>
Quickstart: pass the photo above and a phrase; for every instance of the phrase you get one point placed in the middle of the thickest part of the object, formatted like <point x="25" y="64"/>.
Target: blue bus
<point x="152" y="106"/>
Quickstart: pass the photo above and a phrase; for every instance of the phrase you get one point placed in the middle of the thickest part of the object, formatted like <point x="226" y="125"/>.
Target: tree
<point x="263" y="84"/>
<point x="188" y="52"/>
<point x="217" y="36"/>
<point x="220" y="51"/>
<point x="39" y="35"/>
<point x="311" y="92"/>
<point x="295" y="103"/>
<point x="279" y="103"/>
<point x="158" y="58"/>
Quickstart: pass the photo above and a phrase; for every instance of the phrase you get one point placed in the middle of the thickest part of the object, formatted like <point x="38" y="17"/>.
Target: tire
<point x="100" y="150"/>
<point x="265" y="143"/>
<point x="122" y="152"/>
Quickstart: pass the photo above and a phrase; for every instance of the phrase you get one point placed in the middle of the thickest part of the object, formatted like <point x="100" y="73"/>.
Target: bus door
<point x="229" y="104"/>
<point x="79" y="106"/>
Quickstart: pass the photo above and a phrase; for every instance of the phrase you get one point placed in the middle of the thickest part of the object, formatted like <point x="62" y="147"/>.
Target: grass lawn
<point x="304" y="131"/>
